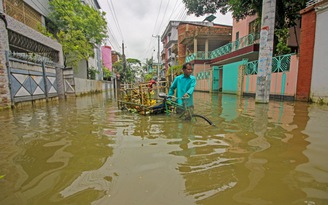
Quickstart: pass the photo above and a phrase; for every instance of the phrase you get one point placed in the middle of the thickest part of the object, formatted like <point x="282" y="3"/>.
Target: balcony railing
<point x="279" y="64"/>
<point x="312" y="2"/>
<point x="200" y="55"/>
<point x="223" y="50"/>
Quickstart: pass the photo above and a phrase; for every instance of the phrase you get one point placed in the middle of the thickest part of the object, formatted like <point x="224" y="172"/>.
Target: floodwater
<point x="86" y="151"/>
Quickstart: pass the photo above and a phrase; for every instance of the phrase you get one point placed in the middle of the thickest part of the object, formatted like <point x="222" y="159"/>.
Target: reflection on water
<point x="85" y="151"/>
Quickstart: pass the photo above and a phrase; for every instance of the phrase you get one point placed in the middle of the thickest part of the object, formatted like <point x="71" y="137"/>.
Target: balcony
<point x="312" y="2"/>
<point x="226" y="49"/>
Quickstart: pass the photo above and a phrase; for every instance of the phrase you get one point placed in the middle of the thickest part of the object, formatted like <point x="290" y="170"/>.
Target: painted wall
<point x="85" y="86"/>
<point x="281" y="83"/>
<point x="106" y="52"/>
<point x="319" y="85"/>
<point x="230" y="77"/>
<point x="242" y="27"/>
<point x="81" y="70"/>
<point x="203" y="84"/>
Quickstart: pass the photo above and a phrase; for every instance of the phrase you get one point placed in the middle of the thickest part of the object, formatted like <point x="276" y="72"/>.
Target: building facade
<point x="169" y="40"/>
<point x="31" y="63"/>
<point x="313" y="73"/>
<point x="232" y="67"/>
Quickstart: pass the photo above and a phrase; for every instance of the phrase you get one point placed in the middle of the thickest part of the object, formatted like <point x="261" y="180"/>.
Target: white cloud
<point x="137" y="22"/>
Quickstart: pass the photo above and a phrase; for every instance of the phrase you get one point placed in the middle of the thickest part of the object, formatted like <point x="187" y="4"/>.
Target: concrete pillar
<point x="263" y="81"/>
<point x="181" y="54"/>
<point x="240" y="84"/>
<point x="195" y="45"/>
<point x="5" y="101"/>
<point x="206" y="49"/>
<point x="60" y="82"/>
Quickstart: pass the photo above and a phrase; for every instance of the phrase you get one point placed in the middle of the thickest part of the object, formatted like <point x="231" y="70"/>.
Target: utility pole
<point x="124" y="62"/>
<point x="158" y="60"/>
<point x="266" y="49"/>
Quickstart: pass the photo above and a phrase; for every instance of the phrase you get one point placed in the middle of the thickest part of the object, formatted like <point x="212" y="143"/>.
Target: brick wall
<point x="4" y="89"/>
<point x="306" y="54"/>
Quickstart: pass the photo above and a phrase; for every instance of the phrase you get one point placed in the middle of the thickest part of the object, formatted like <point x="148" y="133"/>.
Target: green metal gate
<point x="215" y="79"/>
<point x="32" y="82"/>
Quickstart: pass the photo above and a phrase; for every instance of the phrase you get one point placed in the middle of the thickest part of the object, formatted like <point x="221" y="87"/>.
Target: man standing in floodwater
<point x="184" y="85"/>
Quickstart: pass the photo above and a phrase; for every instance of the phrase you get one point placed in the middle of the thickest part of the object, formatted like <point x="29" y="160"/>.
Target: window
<point x="254" y="26"/>
<point x="22" y="12"/>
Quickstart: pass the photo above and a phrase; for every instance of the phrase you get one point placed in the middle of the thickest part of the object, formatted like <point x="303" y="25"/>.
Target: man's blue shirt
<point x="183" y="85"/>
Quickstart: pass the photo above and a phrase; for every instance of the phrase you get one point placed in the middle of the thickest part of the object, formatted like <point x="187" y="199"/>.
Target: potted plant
<point x="107" y="73"/>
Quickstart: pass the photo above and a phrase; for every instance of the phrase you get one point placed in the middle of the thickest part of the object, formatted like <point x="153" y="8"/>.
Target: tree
<point x="78" y="28"/>
<point x="133" y="69"/>
<point x="287" y="11"/>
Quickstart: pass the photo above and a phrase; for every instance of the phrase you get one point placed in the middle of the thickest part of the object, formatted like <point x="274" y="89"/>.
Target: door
<point x="215" y="79"/>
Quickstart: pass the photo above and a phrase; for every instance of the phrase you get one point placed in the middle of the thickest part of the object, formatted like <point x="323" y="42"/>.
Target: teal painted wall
<point x="230" y="77"/>
<point x="215" y="78"/>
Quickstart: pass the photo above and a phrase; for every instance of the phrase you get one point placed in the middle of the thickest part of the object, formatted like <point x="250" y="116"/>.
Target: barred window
<point x="22" y="12"/>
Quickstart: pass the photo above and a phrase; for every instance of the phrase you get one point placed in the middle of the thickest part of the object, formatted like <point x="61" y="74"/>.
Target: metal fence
<point x="312" y="2"/>
<point x="279" y="64"/>
<point x="30" y="79"/>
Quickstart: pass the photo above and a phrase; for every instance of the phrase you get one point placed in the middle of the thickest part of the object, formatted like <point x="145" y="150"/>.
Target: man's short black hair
<point x="184" y="66"/>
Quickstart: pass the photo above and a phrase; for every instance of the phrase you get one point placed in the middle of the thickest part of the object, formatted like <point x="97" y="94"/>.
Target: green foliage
<point x="106" y="73"/>
<point x="92" y="71"/>
<point x="240" y="9"/>
<point x="202" y="7"/>
<point x="128" y="75"/>
<point x="79" y="29"/>
<point x="75" y="47"/>
<point x="282" y="46"/>
<point x="148" y="77"/>
<point x="175" y="70"/>
<point x="44" y="31"/>
<point x="287" y="11"/>
<point x="133" y="61"/>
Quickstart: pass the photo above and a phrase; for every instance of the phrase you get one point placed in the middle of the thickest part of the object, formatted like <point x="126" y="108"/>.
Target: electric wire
<point x="112" y="9"/>
<point x="112" y="35"/>
<point x="160" y="25"/>
<point x="173" y="11"/>
<point x="115" y="45"/>
<point x="148" y="48"/>
<point x="184" y="16"/>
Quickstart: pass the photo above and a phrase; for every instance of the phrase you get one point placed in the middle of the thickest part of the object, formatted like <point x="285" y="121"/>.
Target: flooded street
<point x="86" y="151"/>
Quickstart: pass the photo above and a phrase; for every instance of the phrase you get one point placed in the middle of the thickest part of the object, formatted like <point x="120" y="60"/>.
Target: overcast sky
<point x="135" y="22"/>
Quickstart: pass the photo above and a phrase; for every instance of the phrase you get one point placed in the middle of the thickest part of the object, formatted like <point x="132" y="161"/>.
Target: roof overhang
<point x="250" y="52"/>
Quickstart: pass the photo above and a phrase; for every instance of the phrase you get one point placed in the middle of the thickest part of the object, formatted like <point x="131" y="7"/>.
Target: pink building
<point x="106" y="52"/>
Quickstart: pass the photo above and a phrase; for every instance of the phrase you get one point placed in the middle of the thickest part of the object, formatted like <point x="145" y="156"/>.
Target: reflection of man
<point x="184" y="85"/>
